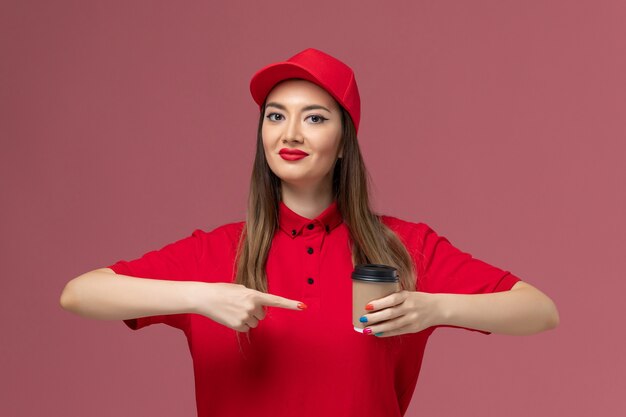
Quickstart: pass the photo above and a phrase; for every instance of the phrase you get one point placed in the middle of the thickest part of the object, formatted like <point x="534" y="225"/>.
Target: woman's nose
<point x="292" y="131"/>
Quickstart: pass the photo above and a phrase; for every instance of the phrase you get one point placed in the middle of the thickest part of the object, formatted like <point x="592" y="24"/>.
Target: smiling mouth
<point x="292" y="157"/>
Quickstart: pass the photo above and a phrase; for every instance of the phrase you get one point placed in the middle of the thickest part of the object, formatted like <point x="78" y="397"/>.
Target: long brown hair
<point x="371" y="240"/>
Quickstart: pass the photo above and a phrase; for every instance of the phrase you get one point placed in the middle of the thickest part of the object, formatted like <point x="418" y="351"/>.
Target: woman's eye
<point x="315" y="118"/>
<point x="269" y="116"/>
<point x="319" y="118"/>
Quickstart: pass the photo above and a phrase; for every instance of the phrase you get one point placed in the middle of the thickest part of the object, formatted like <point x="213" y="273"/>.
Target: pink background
<point x="126" y="125"/>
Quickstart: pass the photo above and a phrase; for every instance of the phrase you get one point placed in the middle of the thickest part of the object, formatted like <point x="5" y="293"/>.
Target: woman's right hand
<point x="235" y="305"/>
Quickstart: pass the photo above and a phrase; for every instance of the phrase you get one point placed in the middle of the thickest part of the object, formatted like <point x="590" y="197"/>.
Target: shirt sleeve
<point x="177" y="261"/>
<point x="442" y="268"/>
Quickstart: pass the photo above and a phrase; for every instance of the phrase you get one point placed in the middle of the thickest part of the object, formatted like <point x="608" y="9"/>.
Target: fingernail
<point x="301" y="306"/>
<point x="363" y="319"/>
<point x="369" y="307"/>
<point x="367" y="331"/>
<point x="378" y="334"/>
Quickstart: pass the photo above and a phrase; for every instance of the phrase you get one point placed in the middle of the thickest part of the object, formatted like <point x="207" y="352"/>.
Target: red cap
<point x="318" y="67"/>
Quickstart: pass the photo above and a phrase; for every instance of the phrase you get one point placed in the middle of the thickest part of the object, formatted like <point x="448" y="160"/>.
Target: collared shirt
<point x="310" y="362"/>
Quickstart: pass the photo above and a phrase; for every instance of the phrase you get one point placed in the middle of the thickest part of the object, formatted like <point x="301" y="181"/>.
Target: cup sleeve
<point x="177" y="261"/>
<point x="443" y="268"/>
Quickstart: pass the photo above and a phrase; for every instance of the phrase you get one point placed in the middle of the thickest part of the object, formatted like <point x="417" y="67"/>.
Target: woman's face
<point x="300" y="115"/>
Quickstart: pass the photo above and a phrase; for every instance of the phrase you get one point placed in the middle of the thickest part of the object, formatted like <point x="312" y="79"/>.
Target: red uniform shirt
<point x="310" y="362"/>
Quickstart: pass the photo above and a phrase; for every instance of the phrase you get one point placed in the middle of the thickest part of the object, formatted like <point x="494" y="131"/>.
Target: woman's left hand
<point x="402" y="312"/>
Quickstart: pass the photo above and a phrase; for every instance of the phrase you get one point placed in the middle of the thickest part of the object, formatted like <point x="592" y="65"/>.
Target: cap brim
<point x="266" y="78"/>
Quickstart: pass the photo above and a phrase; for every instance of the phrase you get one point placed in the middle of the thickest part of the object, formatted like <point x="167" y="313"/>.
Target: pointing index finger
<point x="278" y="301"/>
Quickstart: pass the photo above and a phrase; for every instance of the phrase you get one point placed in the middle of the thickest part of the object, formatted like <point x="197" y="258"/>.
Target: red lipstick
<point x="292" y="154"/>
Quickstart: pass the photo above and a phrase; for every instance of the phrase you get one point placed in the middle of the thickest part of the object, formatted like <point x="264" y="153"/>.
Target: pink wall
<point x="500" y="124"/>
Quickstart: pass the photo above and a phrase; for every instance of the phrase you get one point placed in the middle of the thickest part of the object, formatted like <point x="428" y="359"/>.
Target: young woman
<point x="283" y="276"/>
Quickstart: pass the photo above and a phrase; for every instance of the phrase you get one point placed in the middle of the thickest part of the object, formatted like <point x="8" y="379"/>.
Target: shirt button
<point x="310" y="250"/>
<point x="310" y="226"/>
<point x="293" y="232"/>
<point x="327" y="228"/>
<point x="310" y="280"/>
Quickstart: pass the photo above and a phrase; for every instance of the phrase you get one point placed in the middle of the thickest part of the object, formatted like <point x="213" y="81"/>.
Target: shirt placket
<point x="312" y="239"/>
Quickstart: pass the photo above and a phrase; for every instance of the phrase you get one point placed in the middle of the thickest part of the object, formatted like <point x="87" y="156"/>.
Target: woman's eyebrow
<point x="309" y="107"/>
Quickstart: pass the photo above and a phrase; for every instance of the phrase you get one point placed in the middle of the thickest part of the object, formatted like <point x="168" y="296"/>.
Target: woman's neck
<point x="309" y="203"/>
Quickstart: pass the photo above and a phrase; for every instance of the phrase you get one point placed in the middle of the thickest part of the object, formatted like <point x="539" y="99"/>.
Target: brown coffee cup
<point x="371" y="282"/>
